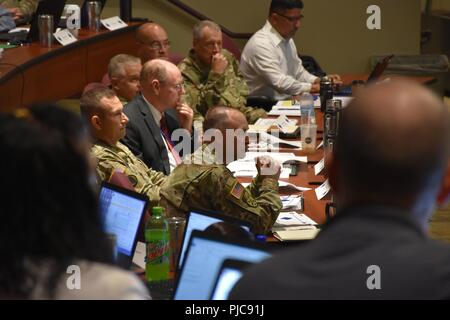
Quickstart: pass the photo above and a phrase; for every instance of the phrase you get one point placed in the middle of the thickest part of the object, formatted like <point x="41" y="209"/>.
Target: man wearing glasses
<point x="270" y="63"/>
<point x="155" y="114"/>
<point x="211" y="75"/>
<point x="153" y="42"/>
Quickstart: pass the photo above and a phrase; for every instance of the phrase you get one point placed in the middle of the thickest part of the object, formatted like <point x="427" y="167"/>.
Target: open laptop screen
<point x="122" y="211"/>
<point x="230" y="273"/>
<point x="200" y="220"/>
<point x="203" y="261"/>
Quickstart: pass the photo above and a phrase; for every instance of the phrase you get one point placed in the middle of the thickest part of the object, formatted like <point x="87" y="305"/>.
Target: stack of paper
<point x="293" y="226"/>
<point x="246" y="167"/>
<point x="266" y="141"/>
<point x="292" y="202"/>
<point x="282" y="126"/>
<point x="293" y="235"/>
<point x="290" y="219"/>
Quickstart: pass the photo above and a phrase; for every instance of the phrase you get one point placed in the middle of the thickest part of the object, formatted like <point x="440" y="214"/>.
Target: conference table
<point x="32" y="73"/>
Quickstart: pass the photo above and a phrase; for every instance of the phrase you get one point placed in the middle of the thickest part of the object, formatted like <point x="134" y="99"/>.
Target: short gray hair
<point x="199" y="26"/>
<point x="154" y="69"/>
<point x="116" y="64"/>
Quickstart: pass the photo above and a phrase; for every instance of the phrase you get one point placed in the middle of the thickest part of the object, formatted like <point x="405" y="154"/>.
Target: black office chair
<point x="312" y="66"/>
<point x="263" y="102"/>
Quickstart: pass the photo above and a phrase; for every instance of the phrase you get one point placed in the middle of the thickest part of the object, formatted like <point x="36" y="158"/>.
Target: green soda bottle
<point x="157" y="242"/>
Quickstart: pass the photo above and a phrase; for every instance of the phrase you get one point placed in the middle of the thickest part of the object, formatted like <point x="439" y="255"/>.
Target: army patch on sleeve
<point x="237" y="191"/>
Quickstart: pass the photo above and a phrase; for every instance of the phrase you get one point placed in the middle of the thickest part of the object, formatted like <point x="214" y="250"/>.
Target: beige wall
<point x="333" y="31"/>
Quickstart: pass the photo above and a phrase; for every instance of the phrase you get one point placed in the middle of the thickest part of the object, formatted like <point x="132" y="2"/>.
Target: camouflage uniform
<point x="209" y="186"/>
<point x="205" y="89"/>
<point x="27" y="7"/>
<point x="119" y="157"/>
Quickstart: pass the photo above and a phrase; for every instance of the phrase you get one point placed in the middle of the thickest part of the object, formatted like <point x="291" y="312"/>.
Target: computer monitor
<point x="204" y="258"/>
<point x="122" y="214"/>
<point x="200" y="220"/>
<point x="229" y="274"/>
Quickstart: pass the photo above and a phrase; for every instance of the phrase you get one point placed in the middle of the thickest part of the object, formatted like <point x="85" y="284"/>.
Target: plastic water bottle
<point x="157" y="241"/>
<point x="307" y="113"/>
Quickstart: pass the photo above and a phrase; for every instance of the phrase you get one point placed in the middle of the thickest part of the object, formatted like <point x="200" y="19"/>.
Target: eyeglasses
<point x="179" y="87"/>
<point x="291" y="19"/>
<point x="155" y="45"/>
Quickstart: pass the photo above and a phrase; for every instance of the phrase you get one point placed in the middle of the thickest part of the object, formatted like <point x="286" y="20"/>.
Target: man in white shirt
<point x="155" y="114"/>
<point x="270" y="63"/>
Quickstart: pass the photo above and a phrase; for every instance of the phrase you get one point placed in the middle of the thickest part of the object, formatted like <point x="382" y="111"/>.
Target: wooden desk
<point x="313" y="208"/>
<point x="31" y="73"/>
<point x="348" y="78"/>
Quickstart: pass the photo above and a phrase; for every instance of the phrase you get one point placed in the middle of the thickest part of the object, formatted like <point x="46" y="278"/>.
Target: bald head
<point x="153" y="42"/>
<point x="393" y="140"/>
<point x="162" y="84"/>
<point x="223" y="118"/>
<point x="158" y="69"/>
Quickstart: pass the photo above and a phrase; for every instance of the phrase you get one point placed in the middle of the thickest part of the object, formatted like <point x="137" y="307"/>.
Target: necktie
<point x="166" y="134"/>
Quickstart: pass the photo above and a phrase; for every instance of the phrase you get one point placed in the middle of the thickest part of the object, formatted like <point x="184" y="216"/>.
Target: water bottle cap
<point x="261" y="237"/>
<point x="157" y="211"/>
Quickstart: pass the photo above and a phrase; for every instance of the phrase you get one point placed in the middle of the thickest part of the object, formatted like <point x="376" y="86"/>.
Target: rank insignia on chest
<point x="237" y="191"/>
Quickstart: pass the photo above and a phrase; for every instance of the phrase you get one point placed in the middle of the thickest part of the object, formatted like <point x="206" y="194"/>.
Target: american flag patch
<point x="237" y="191"/>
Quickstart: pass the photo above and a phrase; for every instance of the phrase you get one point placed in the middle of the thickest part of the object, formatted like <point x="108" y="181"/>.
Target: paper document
<point x="282" y="123"/>
<point x="113" y="23"/>
<point x="292" y="202"/>
<point x="139" y="254"/>
<point x="320" y="145"/>
<point x="285" y="185"/>
<point x="293" y="219"/>
<point x="267" y="141"/>
<point x="279" y="156"/>
<point x="286" y="112"/>
<point x="323" y="190"/>
<point x="319" y="166"/>
<point x="291" y="235"/>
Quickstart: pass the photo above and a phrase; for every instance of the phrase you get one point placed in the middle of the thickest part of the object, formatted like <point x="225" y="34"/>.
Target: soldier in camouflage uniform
<point x="107" y="122"/>
<point x="205" y="183"/>
<point x="212" y="77"/>
<point x="22" y="10"/>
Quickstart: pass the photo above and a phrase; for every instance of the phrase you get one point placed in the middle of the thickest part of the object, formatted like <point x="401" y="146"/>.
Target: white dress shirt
<point x="271" y="66"/>
<point x="157" y="115"/>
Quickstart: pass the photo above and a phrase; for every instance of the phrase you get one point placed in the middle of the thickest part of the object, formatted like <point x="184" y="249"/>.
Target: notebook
<point x="229" y="274"/>
<point x="122" y="214"/>
<point x="375" y="75"/>
<point x="52" y="7"/>
<point x="200" y="220"/>
<point x="204" y="258"/>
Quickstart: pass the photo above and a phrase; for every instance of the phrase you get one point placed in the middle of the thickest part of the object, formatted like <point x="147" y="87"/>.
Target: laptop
<point x="200" y="220"/>
<point x="204" y="258"/>
<point x="229" y="274"/>
<point x="375" y="75"/>
<point x="52" y="7"/>
<point x="122" y="212"/>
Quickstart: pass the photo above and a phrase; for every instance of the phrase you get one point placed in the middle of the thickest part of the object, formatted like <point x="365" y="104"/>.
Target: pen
<point x="315" y="183"/>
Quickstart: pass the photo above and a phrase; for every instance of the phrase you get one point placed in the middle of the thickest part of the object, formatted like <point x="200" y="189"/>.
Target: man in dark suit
<point x="155" y="114"/>
<point x="389" y="163"/>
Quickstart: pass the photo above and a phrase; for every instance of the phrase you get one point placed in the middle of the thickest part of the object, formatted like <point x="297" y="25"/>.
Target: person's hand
<point x="336" y="78"/>
<point x="219" y="63"/>
<point x="268" y="168"/>
<point x="185" y="116"/>
<point x="16" y="13"/>
<point x="315" y="88"/>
